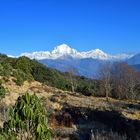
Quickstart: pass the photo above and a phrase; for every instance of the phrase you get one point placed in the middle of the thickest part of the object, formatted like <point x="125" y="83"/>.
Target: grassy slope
<point x="25" y="69"/>
<point x="57" y="99"/>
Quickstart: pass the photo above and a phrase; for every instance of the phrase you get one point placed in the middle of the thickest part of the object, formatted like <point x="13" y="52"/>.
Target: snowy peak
<point x="97" y="51"/>
<point x="96" y="54"/>
<point x="64" y="50"/>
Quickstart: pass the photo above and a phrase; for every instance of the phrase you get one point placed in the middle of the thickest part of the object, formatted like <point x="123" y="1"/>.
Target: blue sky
<point x="33" y="25"/>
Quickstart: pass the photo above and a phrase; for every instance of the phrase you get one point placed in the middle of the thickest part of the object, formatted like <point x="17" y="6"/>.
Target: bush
<point x="27" y="120"/>
<point x="2" y="91"/>
<point x="20" y="77"/>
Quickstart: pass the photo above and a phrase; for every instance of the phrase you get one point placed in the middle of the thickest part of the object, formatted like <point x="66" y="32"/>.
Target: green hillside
<point x="25" y="69"/>
<point x="118" y="81"/>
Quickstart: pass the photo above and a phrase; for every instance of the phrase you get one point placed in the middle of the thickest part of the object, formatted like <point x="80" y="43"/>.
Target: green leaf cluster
<point x="27" y="120"/>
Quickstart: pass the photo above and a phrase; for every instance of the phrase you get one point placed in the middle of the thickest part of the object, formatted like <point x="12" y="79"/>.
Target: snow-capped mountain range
<point x="64" y="50"/>
<point x="86" y="63"/>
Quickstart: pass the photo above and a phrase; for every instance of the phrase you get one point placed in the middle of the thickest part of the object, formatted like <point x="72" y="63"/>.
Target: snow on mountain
<point x="64" y="50"/>
<point x="86" y="63"/>
<point x="38" y="55"/>
<point x="96" y="54"/>
<point x="123" y="56"/>
<point x="135" y="60"/>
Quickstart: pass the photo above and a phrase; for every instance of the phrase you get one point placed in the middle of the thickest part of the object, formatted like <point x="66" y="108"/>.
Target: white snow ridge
<point x="64" y="50"/>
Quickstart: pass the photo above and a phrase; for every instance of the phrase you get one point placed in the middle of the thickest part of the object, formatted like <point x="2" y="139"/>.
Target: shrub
<point x="27" y="120"/>
<point x="2" y="91"/>
<point x="20" y="77"/>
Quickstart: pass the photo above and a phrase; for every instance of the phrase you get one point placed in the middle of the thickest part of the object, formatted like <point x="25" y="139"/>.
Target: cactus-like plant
<point x="27" y="120"/>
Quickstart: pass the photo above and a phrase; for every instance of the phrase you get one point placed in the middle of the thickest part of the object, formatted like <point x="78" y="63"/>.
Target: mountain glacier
<point x="64" y="50"/>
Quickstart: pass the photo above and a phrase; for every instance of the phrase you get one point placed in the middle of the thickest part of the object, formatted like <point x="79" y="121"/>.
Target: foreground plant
<point x="27" y="120"/>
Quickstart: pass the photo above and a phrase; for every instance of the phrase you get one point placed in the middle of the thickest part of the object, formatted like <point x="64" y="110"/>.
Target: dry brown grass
<point x="56" y="98"/>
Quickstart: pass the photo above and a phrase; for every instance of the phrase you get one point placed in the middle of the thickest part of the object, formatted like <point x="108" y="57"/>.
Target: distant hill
<point x="134" y="60"/>
<point x="137" y="67"/>
<point x="86" y="63"/>
<point x="87" y="67"/>
<point x="25" y="69"/>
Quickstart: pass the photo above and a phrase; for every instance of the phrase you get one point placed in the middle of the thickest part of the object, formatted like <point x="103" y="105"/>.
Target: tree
<point x="105" y="77"/>
<point x="24" y="64"/>
<point x="20" y="77"/>
<point x="72" y="73"/>
<point x="27" y="120"/>
<point x="7" y="69"/>
<point x="125" y="80"/>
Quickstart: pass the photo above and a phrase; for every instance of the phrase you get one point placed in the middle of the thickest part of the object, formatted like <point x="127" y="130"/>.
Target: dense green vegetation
<point x="23" y="69"/>
<point x="27" y="120"/>
<point x="2" y="91"/>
